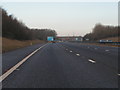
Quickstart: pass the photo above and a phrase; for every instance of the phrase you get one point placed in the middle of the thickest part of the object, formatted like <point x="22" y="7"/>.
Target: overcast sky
<point x="67" y="18"/>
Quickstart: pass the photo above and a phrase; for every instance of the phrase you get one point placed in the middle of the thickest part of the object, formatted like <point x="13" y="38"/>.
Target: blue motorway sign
<point x="50" y="38"/>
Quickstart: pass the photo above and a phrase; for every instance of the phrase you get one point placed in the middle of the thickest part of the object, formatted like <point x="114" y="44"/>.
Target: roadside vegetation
<point x="10" y="44"/>
<point x="15" y="34"/>
<point x="102" y="32"/>
<point x="14" y="29"/>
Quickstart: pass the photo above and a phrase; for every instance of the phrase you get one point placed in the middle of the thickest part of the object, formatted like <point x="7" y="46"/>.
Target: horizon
<point x="66" y="18"/>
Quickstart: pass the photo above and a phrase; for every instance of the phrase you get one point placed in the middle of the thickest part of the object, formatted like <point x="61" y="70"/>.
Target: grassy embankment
<point x="9" y="44"/>
<point x="114" y="39"/>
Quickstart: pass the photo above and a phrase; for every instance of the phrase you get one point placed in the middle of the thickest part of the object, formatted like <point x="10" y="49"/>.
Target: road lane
<point x="13" y="68"/>
<point x="56" y="67"/>
<point x="9" y="59"/>
<point x="113" y="50"/>
<point x="110" y="59"/>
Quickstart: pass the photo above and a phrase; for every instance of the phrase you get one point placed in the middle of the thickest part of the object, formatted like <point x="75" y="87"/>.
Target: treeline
<point x="14" y="29"/>
<point x="101" y="31"/>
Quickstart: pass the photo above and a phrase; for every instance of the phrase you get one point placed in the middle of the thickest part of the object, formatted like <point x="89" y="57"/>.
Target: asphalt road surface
<point x="62" y="65"/>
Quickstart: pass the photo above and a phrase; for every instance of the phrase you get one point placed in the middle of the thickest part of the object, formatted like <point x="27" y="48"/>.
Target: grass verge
<point x="10" y="44"/>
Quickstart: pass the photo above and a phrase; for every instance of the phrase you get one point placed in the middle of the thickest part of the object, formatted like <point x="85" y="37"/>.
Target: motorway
<point x="62" y="65"/>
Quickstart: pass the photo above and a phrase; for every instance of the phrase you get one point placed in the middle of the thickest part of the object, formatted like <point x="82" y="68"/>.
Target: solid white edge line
<point x="6" y="74"/>
<point x="90" y="60"/>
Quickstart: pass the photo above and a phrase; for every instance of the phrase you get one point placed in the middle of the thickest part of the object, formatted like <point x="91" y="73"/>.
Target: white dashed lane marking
<point x="107" y="50"/>
<point x="70" y="51"/>
<point x="92" y="61"/>
<point x="78" y="54"/>
<point x="118" y="74"/>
